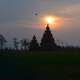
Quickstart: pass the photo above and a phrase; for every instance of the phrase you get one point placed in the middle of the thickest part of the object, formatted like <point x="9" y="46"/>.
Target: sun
<point x="50" y="20"/>
<point x="55" y="22"/>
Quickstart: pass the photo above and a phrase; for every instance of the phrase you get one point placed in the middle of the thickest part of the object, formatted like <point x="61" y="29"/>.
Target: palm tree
<point x="2" y="41"/>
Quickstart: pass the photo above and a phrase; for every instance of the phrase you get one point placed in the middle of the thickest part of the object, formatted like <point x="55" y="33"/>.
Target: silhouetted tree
<point x="24" y="43"/>
<point x="34" y="46"/>
<point x="47" y="41"/>
<point x="2" y="41"/>
<point x="16" y="43"/>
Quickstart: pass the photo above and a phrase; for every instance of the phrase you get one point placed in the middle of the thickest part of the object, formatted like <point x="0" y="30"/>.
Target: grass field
<point x="58" y="65"/>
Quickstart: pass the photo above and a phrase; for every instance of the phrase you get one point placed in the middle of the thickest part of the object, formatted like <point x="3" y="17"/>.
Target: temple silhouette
<point x="48" y="41"/>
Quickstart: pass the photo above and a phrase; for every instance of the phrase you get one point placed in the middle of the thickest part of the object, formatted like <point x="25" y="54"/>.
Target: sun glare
<point x="50" y="20"/>
<point x="54" y="22"/>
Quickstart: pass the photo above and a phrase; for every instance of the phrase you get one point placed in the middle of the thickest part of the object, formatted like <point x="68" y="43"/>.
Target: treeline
<point x="47" y="43"/>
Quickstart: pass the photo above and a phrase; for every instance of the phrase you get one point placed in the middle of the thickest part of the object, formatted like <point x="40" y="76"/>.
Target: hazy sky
<point x="17" y="19"/>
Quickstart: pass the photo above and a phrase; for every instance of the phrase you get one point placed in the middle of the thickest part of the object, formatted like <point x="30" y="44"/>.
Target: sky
<point x="18" y="19"/>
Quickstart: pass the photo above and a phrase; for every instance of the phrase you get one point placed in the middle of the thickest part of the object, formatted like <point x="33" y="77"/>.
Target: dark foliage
<point x="2" y="41"/>
<point x="47" y="41"/>
<point x="21" y="65"/>
<point x="24" y="44"/>
<point x="47" y="44"/>
<point x="15" y="43"/>
<point x="34" y="46"/>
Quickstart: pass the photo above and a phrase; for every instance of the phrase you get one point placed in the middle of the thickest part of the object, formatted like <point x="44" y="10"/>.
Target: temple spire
<point x="47" y="28"/>
<point x="48" y="41"/>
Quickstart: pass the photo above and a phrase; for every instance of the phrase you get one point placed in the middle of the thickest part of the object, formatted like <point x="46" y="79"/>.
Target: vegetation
<point x="34" y="61"/>
<point x="2" y="41"/>
<point x="24" y="44"/>
<point x="15" y="43"/>
<point x="47" y="43"/>
<point x="61" y="64"/>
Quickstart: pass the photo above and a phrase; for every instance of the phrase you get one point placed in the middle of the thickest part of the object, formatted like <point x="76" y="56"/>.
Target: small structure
<point x="47" y="41"/>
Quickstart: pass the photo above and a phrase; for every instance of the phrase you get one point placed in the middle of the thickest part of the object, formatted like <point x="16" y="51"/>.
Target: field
<point x="57" y="65"/>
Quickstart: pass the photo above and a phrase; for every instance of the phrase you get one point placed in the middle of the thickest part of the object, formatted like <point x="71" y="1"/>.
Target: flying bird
<point x="36" y="14"/>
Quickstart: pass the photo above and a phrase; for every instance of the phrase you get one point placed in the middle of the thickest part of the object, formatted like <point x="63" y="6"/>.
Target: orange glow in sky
<point x="50" y="20"/>
<point x="54" y="21"/>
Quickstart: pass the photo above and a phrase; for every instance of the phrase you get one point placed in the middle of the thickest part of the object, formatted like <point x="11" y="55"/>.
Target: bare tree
<point x="2" y="41"/>
<point x="16" y="43"/>
<point x="24" y="43"/>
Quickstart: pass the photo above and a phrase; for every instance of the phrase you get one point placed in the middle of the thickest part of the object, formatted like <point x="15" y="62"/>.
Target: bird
<point x="35" y="14"/>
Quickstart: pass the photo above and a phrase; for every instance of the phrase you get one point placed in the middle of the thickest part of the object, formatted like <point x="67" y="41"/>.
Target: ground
<point x="64" y="65"/>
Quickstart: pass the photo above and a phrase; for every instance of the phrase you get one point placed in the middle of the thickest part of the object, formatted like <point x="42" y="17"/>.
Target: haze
<point x="18" y="19"/>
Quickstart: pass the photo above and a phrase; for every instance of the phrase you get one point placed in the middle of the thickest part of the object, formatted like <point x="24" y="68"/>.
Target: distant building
<point x="47" y="41"/>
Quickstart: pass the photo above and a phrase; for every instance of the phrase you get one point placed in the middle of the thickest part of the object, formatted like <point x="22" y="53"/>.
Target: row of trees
<point x="24" y="43"/>
<point x="47" y="42"/>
